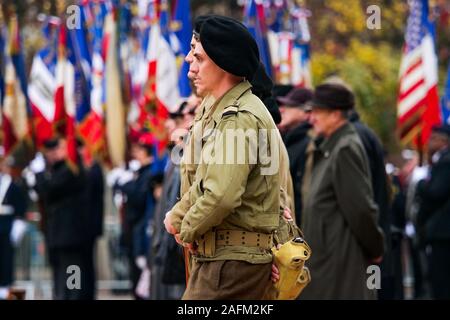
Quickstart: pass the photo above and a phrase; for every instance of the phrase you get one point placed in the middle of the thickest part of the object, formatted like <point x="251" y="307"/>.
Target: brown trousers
<point x="228" y="280"/>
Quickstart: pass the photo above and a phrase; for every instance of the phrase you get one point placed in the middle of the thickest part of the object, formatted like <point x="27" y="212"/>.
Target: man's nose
<point x="188" y="58"/>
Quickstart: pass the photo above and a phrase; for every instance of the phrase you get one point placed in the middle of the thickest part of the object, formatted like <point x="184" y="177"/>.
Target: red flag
<point x="14" y="111"/>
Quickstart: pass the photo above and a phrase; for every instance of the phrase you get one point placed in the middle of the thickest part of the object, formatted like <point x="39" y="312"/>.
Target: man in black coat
<point x="294" y="127"/>
<point x="62" y="191"/>
<point x="95" y="205"/>
<point x="434" y="213"/>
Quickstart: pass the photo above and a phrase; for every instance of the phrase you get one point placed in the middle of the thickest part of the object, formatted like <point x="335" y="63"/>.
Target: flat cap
<point x="332" y="96"/>
<point x="297" y="97"/>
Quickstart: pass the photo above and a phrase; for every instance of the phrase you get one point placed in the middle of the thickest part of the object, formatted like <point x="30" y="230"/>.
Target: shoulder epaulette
<point x="230" y="110"/>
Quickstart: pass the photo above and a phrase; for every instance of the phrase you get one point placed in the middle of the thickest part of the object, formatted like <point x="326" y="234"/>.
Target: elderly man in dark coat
<point x="340" y="215"/>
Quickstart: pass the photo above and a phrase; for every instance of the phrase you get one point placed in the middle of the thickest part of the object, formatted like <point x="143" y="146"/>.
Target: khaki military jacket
<point x="236" y="185"/>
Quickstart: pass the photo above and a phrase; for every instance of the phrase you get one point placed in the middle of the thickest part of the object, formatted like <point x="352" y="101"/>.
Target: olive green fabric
<point x="235" y="196"/>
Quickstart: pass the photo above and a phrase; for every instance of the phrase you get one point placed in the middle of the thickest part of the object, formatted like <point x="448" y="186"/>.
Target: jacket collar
<point x="205" y="105"/>
<point x="230" y="98"/>
<point x="328" y="144"/>
<point x="144" y="168"/>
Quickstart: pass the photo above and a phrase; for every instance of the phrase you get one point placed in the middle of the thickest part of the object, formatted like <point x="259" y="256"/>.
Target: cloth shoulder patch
<point x="230" y="110"/>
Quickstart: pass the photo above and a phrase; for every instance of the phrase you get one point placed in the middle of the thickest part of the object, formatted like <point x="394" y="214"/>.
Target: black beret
<point x="443" y="129"/>
<point x="51" y="143"/>
<point x="332" y="96"/>
<point x="198" y="22"/>
<point x="230" y="45"/>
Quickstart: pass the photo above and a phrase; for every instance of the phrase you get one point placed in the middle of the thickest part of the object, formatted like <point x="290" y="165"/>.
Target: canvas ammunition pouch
<point x="210" y="241"/>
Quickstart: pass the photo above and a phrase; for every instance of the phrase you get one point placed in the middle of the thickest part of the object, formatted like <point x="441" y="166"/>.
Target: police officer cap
<point x="332" y="96"/>
<point x="443" y="129"/>
<point x="230" y="45"/>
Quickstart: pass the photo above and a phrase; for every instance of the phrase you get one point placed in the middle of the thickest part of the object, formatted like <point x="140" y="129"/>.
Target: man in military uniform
<point x="233" y="207"/>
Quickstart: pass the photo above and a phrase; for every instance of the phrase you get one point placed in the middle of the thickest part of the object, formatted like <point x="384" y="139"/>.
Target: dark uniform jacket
<point x="17" y="198"/>
<point x="340" y="220"/>
<point x="434" y="194"/>
<point x="137" y="194"/>
<point x="296" y="142"/>
<point x="95" y="192"/>
<point x="16" y="202"/>
<point x="65" y="203"/>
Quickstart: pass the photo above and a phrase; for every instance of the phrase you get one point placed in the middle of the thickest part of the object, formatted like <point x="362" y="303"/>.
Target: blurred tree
<point x="367" y="59"/>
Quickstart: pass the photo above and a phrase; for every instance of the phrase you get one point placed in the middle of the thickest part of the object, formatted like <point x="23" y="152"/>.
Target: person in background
<point x="434" y="212"/>
<point x="340" y="218"/>
<point x="296" y="131"/>
<point x="381" y="188"/>
<point x="168" y="267"/>
<point x="398" y="224"/>
<point x="95" y="191"/>
<point x="138" y="198"/>
<point x="13" y="204"/>
<point x="62" y="191"/>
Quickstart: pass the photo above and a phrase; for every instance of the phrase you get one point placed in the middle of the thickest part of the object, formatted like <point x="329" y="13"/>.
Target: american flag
<point x="418" y="102"/>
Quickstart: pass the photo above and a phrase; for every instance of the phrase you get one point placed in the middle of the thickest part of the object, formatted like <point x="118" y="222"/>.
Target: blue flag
<point x="445" y="106"/>
<point x="254" y="19"/>
<point x="182" y="21"/>
<point x="2" y="67"/>
<point x="80" y="57"/>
